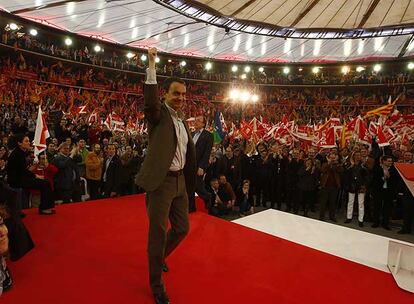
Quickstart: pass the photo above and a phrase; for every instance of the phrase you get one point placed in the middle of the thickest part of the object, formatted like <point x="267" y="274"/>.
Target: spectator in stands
<point x="44" y="170"/>
<point x="330" y="182"/>
<point x="226" y="187"/>
<point x="3" y="171"/>
<point x="111" y="178"/>
<point x="50" y="151"/>
<point x="244" y="199"/>
<point x="4" y="153"/>
<point x="385" y="182"/>
<point x="307" y="185"/>
<point x="6" y="280"/>
<point x="279" y="164"/>
<point x="220" y="201"/>
<point x="83" y="152"/>
<point x="128" y="170"/>
<point x="67" y="180"/>
<point x="261" y="174"/>
<point x="19" y="175"/>
<point x="356" y="182"/>
<point x="94" y="163"/>
<point x="292" y="179"/>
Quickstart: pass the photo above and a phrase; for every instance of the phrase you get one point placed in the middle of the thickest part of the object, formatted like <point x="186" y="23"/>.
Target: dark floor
<point x="395" y="225"/>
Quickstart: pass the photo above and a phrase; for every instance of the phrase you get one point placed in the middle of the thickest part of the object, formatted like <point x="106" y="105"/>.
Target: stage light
<point x="315" y="70"/>
<point x="243" y="76"/>
<point x="68" y="41"/>
<point x="261" y="69"/>
<point x="209" y="66"/>
<point x="255" y="98"/>
<point x="33" y="32"/>
<point x="234" y="94"/>
<point x="247" y="69"/>
<point x="97" y="48"/>
<point x="234" y="68"/>
<point x="13" y="26"/>
<point x="300" y="69"/>
<point x="360" y="69"/>
<point x="377" y="68"/>
<point x="130" y="55"/>
<point x="410" y="65"/>
<point x="286" y="70"/>
<point x="157" y="59"/>
<point x="183" y="63"/>
<point x="345" y="69"/>
<point x="169" y="60"/>
<point x="143" y="57"/>
<point x="245" y="96"/>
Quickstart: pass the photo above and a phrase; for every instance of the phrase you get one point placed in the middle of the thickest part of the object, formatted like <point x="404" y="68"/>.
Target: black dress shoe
<point x="165" y="267"/>
<point x="161" y="298"/>
<point x="361" y="224"/>
<point x="333" y="219"/>
<point x="375" y="225"/>
<point x="347" y="221"/>
<point x="386" y="227"/>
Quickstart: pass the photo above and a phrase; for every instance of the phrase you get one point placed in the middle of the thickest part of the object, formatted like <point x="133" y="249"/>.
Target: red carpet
<point x="96" y="253"/>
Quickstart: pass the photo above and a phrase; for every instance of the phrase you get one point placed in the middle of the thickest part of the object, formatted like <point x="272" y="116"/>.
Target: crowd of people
<point x="89" y="159"/>
<point x="114" y="57"/>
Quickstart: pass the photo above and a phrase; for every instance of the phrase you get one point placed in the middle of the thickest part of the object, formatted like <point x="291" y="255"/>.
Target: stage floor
<point x="96" y="251"/>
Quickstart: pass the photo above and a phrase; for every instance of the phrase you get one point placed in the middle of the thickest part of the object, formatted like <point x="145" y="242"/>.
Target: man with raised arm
<point x="167" y="174"/>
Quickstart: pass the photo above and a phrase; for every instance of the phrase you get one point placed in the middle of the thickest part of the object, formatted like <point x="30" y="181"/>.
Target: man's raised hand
<point x="152" y="54"/>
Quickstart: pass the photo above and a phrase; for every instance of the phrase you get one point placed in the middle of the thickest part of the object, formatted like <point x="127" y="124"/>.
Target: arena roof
<point x="246" y="30"/>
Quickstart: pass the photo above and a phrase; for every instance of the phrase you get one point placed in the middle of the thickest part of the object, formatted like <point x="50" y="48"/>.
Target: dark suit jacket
<point x="203" y="149"/>
<point x="67" y="167"/>
<point x="17" y="172"/>
<point x="113" y="176"/>
<point x="162" y="143"/>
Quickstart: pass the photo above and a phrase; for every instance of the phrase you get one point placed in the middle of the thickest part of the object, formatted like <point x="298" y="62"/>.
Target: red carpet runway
<point x="95" y="252"/>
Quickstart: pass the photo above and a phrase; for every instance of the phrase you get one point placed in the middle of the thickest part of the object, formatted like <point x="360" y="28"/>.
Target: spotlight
<point x="183" y="63"/>
<point x="209" y="66"/>
<point x="234" y="68"/>
<point x="261" y="69"/>
<point x="255" y="98"/>
<point x="234" y="94"/>
<point x="157" y="59"/>
<point x="143" y="57"/>
<point x="286" y="70"/>
<point x="247" y="69"/>
<point x="243" y="76"/>
<point x="360" y="69"/>
<point x="345" y="69"/>
<point x="300" y="69"/>
<point x="315" y="70"/>
<point x="245" y="96"/>
<point x="97" y="48"/>
<point x="68" y="41"/>
<point x="169" y="60"/>
<point x="13" y="26"/>
<point x="33" y="32"/>
<point x="130" y="55"/>
<point x="410" y="65"/>
<point x="377" y="68"/>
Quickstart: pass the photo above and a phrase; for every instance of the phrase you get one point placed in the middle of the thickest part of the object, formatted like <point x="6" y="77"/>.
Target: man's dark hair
<point x="167" y="82"/>
<point x="214" y="179"/>
<point x="15" y="139"/>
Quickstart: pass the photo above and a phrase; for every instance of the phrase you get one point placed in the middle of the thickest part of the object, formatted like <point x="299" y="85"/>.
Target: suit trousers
<point x="202" y="192"/>
<point x="328" y="198"/>
<point x="168" y="202"/>
<point x="46" y="195"/>
<point x="382" y="206"/>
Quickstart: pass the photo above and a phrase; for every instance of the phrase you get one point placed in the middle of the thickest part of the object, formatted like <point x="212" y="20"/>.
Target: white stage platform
<point x="354" y="245"/>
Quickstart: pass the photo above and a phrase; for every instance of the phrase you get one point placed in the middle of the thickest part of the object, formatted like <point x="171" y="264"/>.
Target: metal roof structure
<point x="242" y="30"/>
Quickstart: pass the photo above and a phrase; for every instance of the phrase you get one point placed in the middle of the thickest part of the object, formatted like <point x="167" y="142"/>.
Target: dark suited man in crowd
<point x="168" y="173"/>
<point x="111" y="173"/>
<point x="203" y="141"/>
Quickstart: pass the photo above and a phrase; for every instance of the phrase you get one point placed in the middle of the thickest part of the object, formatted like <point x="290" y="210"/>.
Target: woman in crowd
<point x="356" y="184"/>
<point x="20" y="176"/>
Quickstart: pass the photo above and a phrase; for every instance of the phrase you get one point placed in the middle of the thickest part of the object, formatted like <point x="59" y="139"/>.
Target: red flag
<point x="41" y="134"/>
<point x="246" y="130"/>
<point x="381" y="138"/>
<point x="363" y="134"/>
